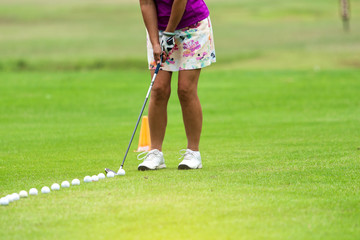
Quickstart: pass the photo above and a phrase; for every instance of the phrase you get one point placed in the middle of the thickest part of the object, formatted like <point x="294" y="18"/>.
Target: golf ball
<point x="4" y="201"/>
<point x="65" y="184"/>
<point x="15" y="196"/>
<point x="23" y="194"/>
<point x="110" y="174"/>
<point x="33" y="191"/>
<point x="10" y="198"/>
<point x="121" y="172"/>
<point x="101" y="176"/>
<point x="45" y="189"/>
<point x="55" y="187"/>
<point x="75" y="182"/>
<point x="87" y="179"/>
<point x="95" y="178"/>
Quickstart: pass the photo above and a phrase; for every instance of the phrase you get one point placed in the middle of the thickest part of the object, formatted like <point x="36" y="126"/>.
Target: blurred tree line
<point x="345" y="14"/>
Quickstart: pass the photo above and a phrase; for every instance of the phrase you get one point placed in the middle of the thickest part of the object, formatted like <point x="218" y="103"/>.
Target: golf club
<point x="138" y="120"/>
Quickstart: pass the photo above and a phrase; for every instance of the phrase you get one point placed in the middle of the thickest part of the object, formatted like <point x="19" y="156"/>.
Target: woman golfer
<point x="180" y="33"/>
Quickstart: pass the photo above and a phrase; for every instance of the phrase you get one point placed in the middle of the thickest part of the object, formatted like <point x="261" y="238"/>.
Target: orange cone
<point x="144" y="138"/>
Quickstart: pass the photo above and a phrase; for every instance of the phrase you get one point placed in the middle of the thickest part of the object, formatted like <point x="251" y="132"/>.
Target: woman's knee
<point x="186" y="92"/>
<point x="161" y="92"/>
<point x="187" y="85"/>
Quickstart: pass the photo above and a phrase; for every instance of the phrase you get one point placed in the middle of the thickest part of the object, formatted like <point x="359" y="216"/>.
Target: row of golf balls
<point x="55" y="187"/>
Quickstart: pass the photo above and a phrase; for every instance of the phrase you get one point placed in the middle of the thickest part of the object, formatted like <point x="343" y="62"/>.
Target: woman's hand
<point x="158" y="53"/>
<point x="167" y="42"/>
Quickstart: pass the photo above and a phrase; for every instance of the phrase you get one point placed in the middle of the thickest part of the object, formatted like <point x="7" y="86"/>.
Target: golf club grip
<point x="142" y="110"/>
<point x="158" y="66"/>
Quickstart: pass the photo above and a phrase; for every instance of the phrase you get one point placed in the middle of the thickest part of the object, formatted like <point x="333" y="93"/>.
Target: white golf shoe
<point x="152" y="160"/>
<point x="192" y="159"/>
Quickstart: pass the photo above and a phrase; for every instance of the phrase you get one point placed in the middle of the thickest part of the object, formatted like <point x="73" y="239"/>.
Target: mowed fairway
<point x="280" y="142"/>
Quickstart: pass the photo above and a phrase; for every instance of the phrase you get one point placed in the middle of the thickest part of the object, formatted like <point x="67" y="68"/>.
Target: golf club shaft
<point x="142" y="110"/>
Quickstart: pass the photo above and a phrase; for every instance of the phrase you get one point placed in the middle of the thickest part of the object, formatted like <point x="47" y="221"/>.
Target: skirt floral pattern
<point x="194" y="48"/>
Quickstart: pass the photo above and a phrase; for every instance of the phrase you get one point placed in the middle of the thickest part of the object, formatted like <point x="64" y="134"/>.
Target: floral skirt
<point x="194" y="48"/>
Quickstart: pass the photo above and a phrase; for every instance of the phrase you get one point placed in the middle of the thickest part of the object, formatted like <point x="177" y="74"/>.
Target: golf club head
<point x="109" y="170"/>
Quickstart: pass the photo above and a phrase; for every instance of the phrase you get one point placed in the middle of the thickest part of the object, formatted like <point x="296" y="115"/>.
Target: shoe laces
<point x="147" y="156"/>
<point x="186" y="154"/>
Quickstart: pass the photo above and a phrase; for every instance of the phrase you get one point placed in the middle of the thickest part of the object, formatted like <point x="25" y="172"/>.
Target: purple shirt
<point x="195" y="11"/>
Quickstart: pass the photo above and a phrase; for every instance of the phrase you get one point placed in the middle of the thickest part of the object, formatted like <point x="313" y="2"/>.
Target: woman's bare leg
<point x="190" y="105"/>
<point x="160" y="94"/>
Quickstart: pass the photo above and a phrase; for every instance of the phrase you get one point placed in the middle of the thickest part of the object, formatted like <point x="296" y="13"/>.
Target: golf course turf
<point x="280" y="140"/>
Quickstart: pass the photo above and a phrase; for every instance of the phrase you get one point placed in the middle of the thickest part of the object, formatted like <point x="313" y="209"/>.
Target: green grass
<point x="280" y="153"/>
<point x="106" y="34"/>
<point x="280" y="141"/>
